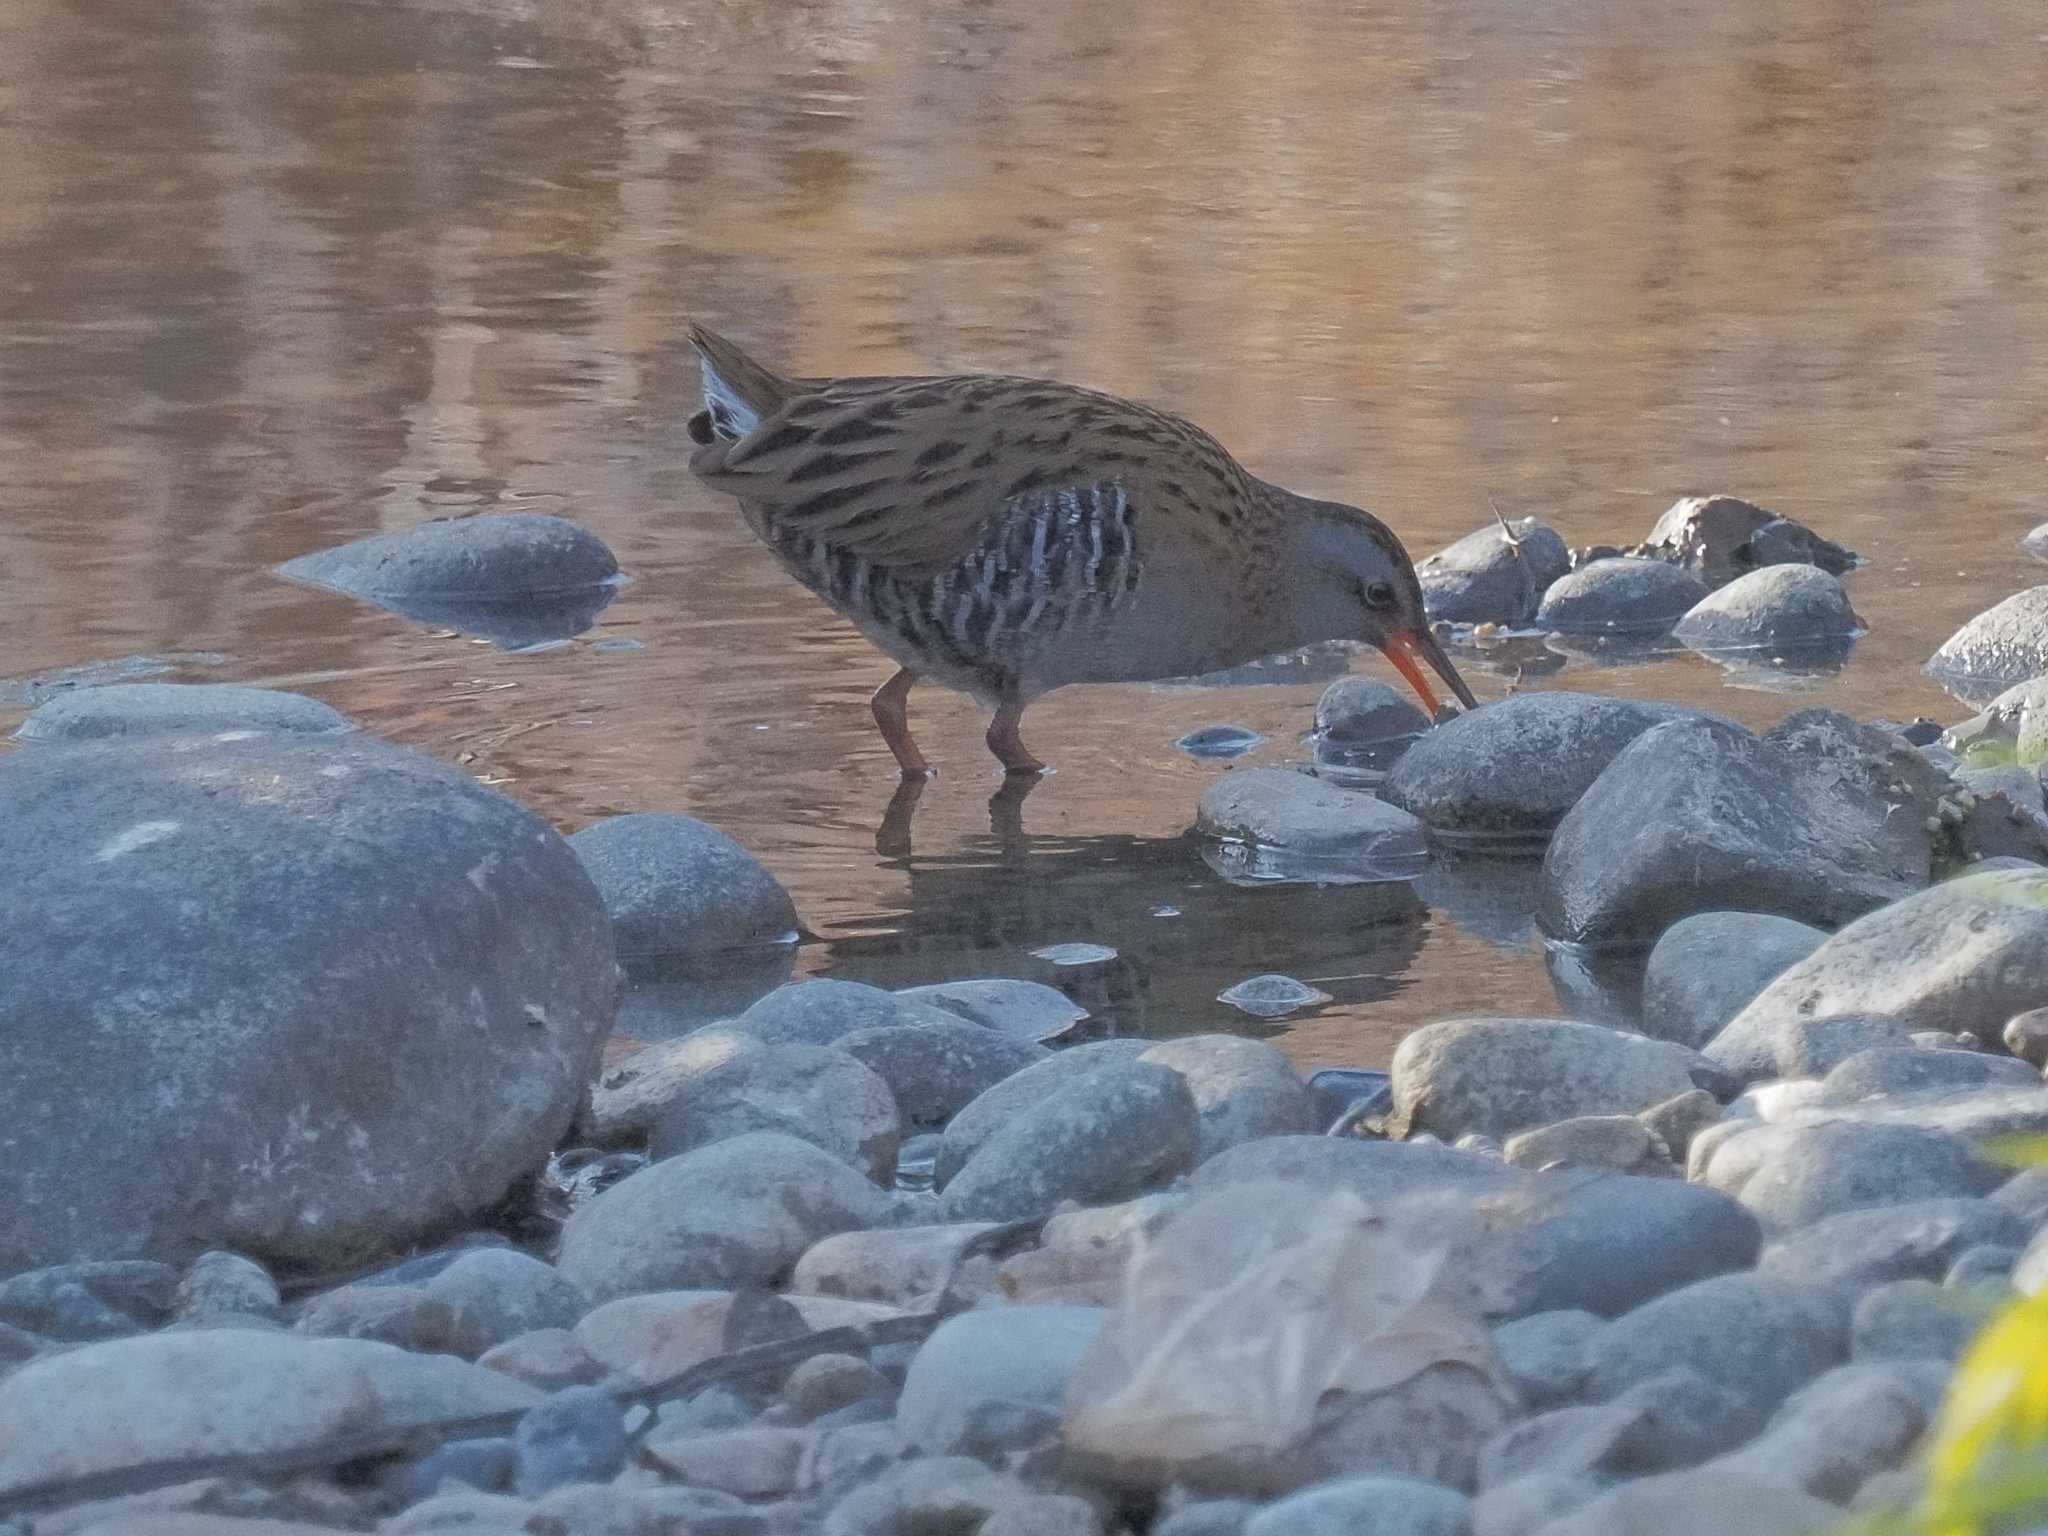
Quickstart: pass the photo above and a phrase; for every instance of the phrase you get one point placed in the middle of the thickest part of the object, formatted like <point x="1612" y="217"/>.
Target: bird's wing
<point x="910" y="474"/>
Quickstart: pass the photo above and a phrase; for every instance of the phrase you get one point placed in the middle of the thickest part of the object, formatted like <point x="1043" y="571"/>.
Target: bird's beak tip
<point x="1406" y="648"/>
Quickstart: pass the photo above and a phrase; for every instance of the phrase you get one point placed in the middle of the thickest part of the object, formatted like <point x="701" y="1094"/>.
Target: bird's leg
<point x="1007" y="745"/>
<point x="890" y="715"/>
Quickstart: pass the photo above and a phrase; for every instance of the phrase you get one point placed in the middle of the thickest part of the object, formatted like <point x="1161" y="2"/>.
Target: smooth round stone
<point x="1622" y="596"/>
<point x="823" y="1011"/>
<point x="674" y="885"/>
<point x="1780" y="603"/>
<point x="1794" y="1174"/>
<point x="122" y="710"/>
<point x="576" y="1436"/>
<point x="1361" y="711"/>
<point x="1002" y="1102"/>
<point x="1723" y="538"/>
<point x="1271" y="996"/>
<point x="2005" y="645"/>
<point x="1916" y="1320"/>
<point x="1074" y="954"/>
<point x="274" y="982"/>
<point x="517" y="578"/>
<point x="1386" y="1506"/>
<point x="1219" y="741"/>
<point x="934" y="1070"/>
<point x="1916" y="1239"/>
<point x="1493" y="575"/>
<point x="1308" y="818"/>
<point x="984" y="1361"/>
<point x="1887" y="1070"/>
<point x="1706" y="968"/>
<point x="1023" y="1010"/>
<point x="2035" y="543"/>
<point x="1243" y="1089"/>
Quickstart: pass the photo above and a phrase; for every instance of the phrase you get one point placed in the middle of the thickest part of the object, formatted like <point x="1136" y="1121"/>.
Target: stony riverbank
<point x="943" y="1260"/>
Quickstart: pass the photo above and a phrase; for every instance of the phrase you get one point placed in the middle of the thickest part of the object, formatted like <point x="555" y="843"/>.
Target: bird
<point x="1007" y="536"/>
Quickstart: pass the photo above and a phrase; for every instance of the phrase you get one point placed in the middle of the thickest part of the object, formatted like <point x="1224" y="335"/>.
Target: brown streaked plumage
<point x="1009" y="536"/>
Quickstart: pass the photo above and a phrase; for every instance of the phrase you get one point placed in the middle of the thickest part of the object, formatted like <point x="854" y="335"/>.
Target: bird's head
<point x="1356" y="582"/>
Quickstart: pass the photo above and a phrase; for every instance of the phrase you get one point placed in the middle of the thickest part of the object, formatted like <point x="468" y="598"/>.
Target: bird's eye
<point x="1380" y="594"/>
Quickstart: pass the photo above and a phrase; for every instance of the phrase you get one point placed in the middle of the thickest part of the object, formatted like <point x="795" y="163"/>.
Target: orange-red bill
<point x="1403" y="649"/>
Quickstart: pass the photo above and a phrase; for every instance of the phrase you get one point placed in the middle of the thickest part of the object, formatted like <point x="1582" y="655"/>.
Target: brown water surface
<point x="275" y="275"/>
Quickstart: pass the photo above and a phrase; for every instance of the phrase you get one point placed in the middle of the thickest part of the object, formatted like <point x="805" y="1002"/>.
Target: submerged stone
<point x="1219" y="741"/>
<point x="1271" y="996"/>
<point x="2004" y="645"/>
<point x="1624" y="595"/>
<point x="163" y="709"/>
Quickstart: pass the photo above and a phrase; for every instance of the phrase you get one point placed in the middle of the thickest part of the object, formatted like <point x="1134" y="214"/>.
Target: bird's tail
<point x="738" y="391"/>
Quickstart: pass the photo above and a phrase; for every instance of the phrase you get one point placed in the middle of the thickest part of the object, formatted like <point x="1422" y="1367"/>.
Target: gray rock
<point x="1528" y="1505"/>
<point x="1206" y="1517"/>
<point x="898" y="1266"/>
<point x="1889" y="1070"/>
<point x="1916" y="1320"/>
<point x="1920" y="1238"/>
<point x="163" y="709"/>
<point x="1308" y="818"/>
<point x="937" y="1494"/>
<point x="77" y="1303"/>
<point x="1501" y="1076"/>
<point x="1759" y="1338"/>
<point x="547" y="1358"/>
<point x="719" y="1083"/>
<point x="720" y="1217"/>
<point x="1792" y="1174"/>
<point x="518" y="578"/>
<point x="2004" y="645"/>
<point x="1494" y="575"/>
<point x="1375" y="1171"/>
<point x="1512" y="768"/>
<point x="1363" y="711"/>
<point x="1003" y="1101"/>
<point x="2035" y="543"/>
<point x="827" y="1382"/>
<point x="2025" y="1194"/>
<point x="1986" y="1267"/>
<point x="490" y="1296"/>
<point x="1387" y="1506"/>
<point x="1044" y="1514"/>
<point x="576" y="1436"/>
<point x="1621" y="1143"/>
<point x="765" y="1461"/>
<point x="1722" y="538"/>
<point x="1678" y="1418"/>
<point x="1680" y="1118"/>
<point x="981" y="1364"/>
<point x="1703" y="1501"/>
<point x="1962" y="956"/>
<point x="1836" y="1432"/>
<point x="1243" y="1090"/>
<point x="380" y="1313"/>
<point x="1821" y="820"/>
<point x="1706" y="968"/>
<point x="677" y="886"/>
<point x="224" y="1285"/>
<point x="1767" y="1046"/>
<point x="486" y="1464"/>
<point x="1023" y="1010"/>
<point x="104" y="1408"/>
<point x="1608" y="1243"/>
<point x="1779" y="605"/>
<point x="1105" y="1138"/>
<point x="1545" y="1354"/>
<point x="822" y="1011"/>
<point x="935" y="1069"/>
<point x="1619" y="596"/>
<point x="1568" y="1442"/>
<point x="2026" y="1036"/>
<point x="431" y="969"/>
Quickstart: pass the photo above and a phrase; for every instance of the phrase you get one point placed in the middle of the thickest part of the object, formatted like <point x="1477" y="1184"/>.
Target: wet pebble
<point x="1024" y="1010"/>
<point x="1074" y="954"/>
<point x="128" y="710"/>
<point x="674" y="885"/>
<point x="1364" y="723"/>
<point x="2005" y="645"/>
<point x="1271" y="996"/>
<point x="1619" y="596"/>
<point x="1219" y="741"/>
<point x="1781" y="605"/>
<point x="1309" y="819"/>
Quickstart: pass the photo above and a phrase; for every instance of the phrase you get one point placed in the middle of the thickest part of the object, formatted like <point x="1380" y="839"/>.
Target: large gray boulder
<point x="1779" y="605"/>
<point x="1722" y="538"/>
<point x="106" y="1409"/>
<point x="1496" y="1077"/>
<point x="1308" y="818"/>
<point x="1964" y="957"/>
<point x="737" y="1213"/>
<point x="1512" y="768"/>
<point x="1821" y="820"/>
<point x="2004" y="645"/>
<point x="306" y="1000"/>
<point x="1000" y="1103"/>
<point x="1706" y="968"/>
<point x="1619" y="596"/>
<point x="517" y="578"/>
<point x="1495" y="575"/>
<point x="676" y="886"/>
<point x="121" y="710"/>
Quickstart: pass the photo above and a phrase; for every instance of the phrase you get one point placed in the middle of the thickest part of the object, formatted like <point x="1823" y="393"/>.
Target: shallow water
<point x="276" y="275"/>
